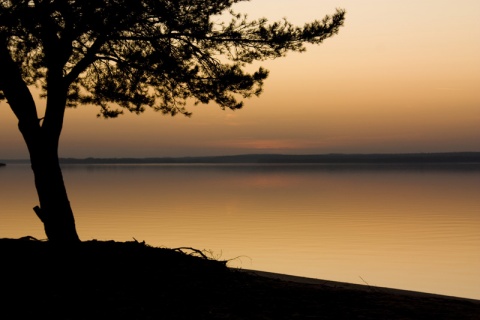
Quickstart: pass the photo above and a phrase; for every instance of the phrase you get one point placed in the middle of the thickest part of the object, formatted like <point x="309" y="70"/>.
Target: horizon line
<point x="445" y="157"/>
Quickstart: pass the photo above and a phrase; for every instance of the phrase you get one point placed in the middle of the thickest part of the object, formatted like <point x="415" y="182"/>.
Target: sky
<point x="401" y="76"/>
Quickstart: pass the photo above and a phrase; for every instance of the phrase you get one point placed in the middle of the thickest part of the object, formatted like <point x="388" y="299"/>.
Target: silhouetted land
<point x="380" y="159"/>
<point x="111" y="280"/>
<point x="416" y="158"/>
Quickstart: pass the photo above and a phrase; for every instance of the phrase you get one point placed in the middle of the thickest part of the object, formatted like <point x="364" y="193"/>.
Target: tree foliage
<point x="133" y="54"/>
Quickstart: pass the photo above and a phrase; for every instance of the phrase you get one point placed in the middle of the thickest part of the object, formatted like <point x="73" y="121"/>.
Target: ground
<point x="131" y="280"/>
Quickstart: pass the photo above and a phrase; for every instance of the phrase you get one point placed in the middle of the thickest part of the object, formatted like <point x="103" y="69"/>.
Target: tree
<point x="128" y="54"/>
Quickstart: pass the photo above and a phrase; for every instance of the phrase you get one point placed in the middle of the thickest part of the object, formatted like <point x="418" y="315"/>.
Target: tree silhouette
<point x="128" y="54"/>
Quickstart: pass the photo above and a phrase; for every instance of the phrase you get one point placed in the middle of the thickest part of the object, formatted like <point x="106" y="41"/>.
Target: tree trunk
<point x="54" y="211"/>
<point x="42" y="141"/>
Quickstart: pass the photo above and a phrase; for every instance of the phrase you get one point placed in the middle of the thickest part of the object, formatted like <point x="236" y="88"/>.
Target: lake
<point x="401" y="227"/>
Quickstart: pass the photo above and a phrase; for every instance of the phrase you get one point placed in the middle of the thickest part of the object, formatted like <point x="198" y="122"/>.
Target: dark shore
<point x="113" y="280"/>
<point x="422" y="160"/>
<point x="409" y="159"/>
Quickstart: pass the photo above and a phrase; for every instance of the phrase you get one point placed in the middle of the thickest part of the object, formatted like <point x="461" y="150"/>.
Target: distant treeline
<point x="401" y="158"/>
<point x="410" y="158"/>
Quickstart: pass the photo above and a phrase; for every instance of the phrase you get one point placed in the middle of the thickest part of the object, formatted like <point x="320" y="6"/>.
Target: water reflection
<point x="413" y="229"/>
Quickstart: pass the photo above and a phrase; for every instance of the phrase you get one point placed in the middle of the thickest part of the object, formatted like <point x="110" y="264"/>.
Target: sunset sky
<point x="401" y="76"/>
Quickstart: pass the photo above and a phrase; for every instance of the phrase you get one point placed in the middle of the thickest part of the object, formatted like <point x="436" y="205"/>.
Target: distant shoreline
<point x="457" y="158"/>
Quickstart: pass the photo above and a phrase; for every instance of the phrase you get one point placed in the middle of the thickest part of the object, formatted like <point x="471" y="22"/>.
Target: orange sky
<point x="401" y="76"/>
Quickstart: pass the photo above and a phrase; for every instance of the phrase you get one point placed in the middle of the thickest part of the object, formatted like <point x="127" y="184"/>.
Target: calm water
<point x="405" y="228"/>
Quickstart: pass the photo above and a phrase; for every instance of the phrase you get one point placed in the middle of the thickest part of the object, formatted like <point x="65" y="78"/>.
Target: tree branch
<point x="86" y="61"/>
<point x="15" y="89"/>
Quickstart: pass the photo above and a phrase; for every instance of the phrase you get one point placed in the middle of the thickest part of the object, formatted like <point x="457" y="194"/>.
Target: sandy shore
<point x="351" y="286"/>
